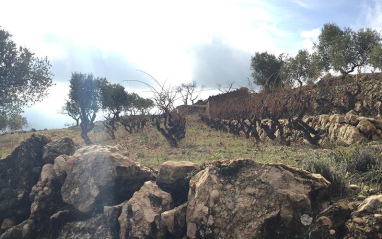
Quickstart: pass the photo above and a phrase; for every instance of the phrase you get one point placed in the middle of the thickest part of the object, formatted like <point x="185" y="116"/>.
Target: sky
<point x="210" y="41"/>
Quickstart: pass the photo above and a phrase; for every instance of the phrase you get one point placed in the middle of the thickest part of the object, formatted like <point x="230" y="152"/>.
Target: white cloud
<point x="309" y="38"/>
<point x="373" y="14"/>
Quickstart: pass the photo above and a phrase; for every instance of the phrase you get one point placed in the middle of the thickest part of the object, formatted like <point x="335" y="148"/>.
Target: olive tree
<point x="24" y="78"/>
<point x="268" y="71"/>
<point x="85" y="96"/>
<point x="303" y="68"/>
<point x="344" y="50"/>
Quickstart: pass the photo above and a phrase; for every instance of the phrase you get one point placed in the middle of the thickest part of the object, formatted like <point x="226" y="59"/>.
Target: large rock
<point x="366" y="221"/>
<point x="173" y="222"/>
<point x="93" y="228"/>
<point x="174" y="177"/>
<point x="47" y="200"/>
<point x="64" y="146"/>
<point x="24" y="230"/>
<point x="366" y="127"/>
<point x="18" y="173"/>
<point x="101" y="175"/>
<point x="245" y="199"/>
<point x="349" y="134"/>
<point x="141" y="215"/>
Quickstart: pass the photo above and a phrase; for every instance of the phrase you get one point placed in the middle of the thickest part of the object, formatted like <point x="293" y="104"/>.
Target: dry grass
<point x="201" y="144"/>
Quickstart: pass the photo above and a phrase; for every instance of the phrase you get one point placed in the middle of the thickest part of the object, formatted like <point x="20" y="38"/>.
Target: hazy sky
<point x="175" y="41"/>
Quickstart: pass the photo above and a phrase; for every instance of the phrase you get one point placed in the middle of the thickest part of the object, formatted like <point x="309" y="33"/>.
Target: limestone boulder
<point x="18" y="173"/>
<point x="351" y="118"/>
<point x="64" y="146"/>
<point x="366" y="221"/>
<point x="93" y="228"/>
<point x="141" y="215"/>
<point x="245" y="199"/>
<point x="174" y="177"/>
<point x="59" y="167"/>
<point x="173" y="222"/>
<point x="377" y="123"/>
<point x="366" y="127"/>
<point x="349" y="134"/>
<point x="101" y="175"/>
<point x="24" y="230"/>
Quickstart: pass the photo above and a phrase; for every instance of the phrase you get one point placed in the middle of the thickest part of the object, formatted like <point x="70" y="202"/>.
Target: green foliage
<point x="344" y="50"/>
<point x="84" y="95"/>
<point x="376" y="57"/>
<point x="304" y="67"/>
<point x="24" y="78"/>
<point x="113" y="97"/>
<point x="267" y="71"/>
<point x="332" y="170"/>
<point x="136" y="104"/>
<point x="71" y="108"/>
<point x="348" y="165"/>
<point x="16" y="122"/>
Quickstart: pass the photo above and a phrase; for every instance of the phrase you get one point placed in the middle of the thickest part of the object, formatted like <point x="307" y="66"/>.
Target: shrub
<point x="332" y="170"/>
<point x="362" y="161"/>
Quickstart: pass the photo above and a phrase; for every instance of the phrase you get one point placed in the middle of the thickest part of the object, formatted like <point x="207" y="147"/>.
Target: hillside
<point x="190" y="191"/>
<point x="201" y="144"/>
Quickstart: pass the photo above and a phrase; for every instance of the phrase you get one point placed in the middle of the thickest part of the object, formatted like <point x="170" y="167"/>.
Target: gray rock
<point x="141" y="215"/>
<point x="263" y="200"/>
<point x="366" y="127"/>
<point x="174" y="177"/>
<point x="102" y="175"/>
<point x="64" y="146"/>
<point x="18" y="173"/>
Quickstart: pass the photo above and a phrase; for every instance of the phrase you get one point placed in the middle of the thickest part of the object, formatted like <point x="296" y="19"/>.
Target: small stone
<point x="7" y="223"/>
<point x="361" y="197"/>
<point x="332" y="232"/>
<point x="353" y="187"/>
<point x="358" y="220"/>
<point x="366" y="188"/>
<point x="306" y="220"/>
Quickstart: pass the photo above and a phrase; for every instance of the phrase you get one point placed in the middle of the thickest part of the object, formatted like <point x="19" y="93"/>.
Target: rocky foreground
<point x="51" y="190"/>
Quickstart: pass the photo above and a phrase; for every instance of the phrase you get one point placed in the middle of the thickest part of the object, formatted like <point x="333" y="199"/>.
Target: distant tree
<point x="24" y="78"/>
<point x="143" y="105"/>
<point x="267" y="71"/>
<point x="71" y="109"/>
<point x="16" y="122"/>
<point x="84" y="95"/>
<point x="168" y="121"/>
<point x="227" y="88"/>
<point x="303" y="67"/>
<point x="113" y="98"/>
<point x="189" y="91"/>
<point x="344" y="50"/>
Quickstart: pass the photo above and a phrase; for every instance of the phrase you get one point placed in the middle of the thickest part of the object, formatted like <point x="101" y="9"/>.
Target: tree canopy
<point x="24" y="78"/>
<point x="338" y="50"/>
<point x="84" y="96"/>
<point x="344" y="50"/>
<point x="267" y="70"/>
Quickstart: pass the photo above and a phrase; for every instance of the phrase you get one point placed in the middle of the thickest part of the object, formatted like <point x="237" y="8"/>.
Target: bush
<point x="362" y="161"/>
<point x="331" y="170"/>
